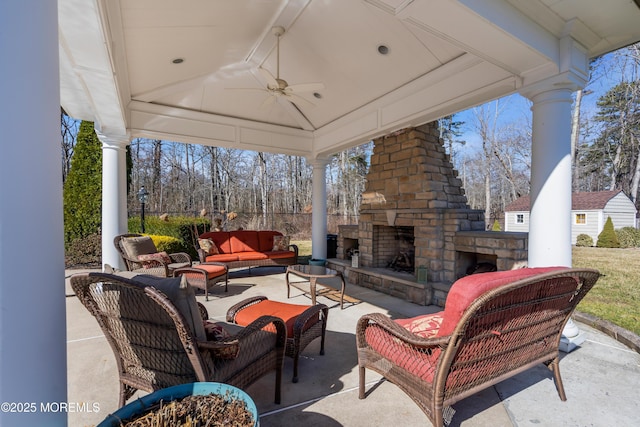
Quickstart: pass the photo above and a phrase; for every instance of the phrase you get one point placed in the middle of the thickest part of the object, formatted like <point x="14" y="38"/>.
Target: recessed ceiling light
<point x="383" y="50"/>
<point x="317" y="95"/>
<point x="178" y="61"/>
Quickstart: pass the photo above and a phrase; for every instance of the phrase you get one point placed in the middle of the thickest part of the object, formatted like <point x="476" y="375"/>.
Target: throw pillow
<point x="281" y="243"/>
<point x="426" y="326"/>
<point x="208" y="246"/>
<point x="217" y="333"/>
<point x="135" y="246"/>
<point x="154" y="260"/>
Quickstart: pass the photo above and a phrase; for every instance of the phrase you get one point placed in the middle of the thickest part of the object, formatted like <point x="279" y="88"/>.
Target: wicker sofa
<point x="247" y="248"/>
<point x="494" y="326"/>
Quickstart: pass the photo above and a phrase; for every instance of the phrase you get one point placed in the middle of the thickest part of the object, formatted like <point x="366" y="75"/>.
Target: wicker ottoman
<point x="304" y="323"/>
<point x="205" y="275"/>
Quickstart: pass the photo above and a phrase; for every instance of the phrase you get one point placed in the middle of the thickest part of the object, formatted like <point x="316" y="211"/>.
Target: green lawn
<point x="616" y="296"/>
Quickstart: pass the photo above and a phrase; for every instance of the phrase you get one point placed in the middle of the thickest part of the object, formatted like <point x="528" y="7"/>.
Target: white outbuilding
<point x="589" y="212"/>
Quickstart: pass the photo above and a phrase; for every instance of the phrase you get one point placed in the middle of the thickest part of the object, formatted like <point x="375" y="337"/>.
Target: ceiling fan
<point x="278" y="87"/>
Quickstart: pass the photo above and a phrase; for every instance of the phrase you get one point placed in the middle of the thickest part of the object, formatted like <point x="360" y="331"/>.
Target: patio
<point x="599" y="377"/>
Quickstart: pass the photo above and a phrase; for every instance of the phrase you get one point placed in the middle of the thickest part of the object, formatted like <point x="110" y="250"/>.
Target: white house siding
<point x="592" y="227"/>
<point x="621" y="210"/>
<point x="510" y="222"/>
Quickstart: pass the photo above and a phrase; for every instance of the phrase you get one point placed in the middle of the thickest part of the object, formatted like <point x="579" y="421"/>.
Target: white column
<point x="33" y="367"/>
<point x="550" y="218"/>
<point x="319" y="209"/>
<point x="114" y="195"/>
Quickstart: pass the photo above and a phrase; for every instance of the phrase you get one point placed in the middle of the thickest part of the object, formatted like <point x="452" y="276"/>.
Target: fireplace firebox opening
<point x="395" y="248"/>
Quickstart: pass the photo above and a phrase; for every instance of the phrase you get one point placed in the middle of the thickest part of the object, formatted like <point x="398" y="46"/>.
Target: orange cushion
<point x="469" y="288"/>
<point x="266" y="239"/>
<point x="222" y="258"/>
<point x="212" y="270"/>
<point x="248" y="256"/>
<point x="287" y="312"/>
<point x="280" y="255"/>
<point x="221" y="240"/>
<point x="244" y="241"/>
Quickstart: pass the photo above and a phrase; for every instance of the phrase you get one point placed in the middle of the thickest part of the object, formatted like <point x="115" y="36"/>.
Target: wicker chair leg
<point x="126" y="391"/>
<point x="296" y="356"/>
<point x="278" y="383"/>
<point x="555" y="368"/>
<point x="361" y="393"/>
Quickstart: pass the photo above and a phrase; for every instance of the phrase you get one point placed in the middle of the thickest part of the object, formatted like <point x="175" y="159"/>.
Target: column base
<point x="571" y="338"/>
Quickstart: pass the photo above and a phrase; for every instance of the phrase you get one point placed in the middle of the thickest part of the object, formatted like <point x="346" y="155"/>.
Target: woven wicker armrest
<point x="202" y="255"/>
<point x="398" y="331"/>
<point x="294" y="248"/>
<point x="203" y="311"/>
<point x="224" y="349"/>
<point x="234" y="309"/>
<point x="310" y="314"/>
<point x="180" y="257"/>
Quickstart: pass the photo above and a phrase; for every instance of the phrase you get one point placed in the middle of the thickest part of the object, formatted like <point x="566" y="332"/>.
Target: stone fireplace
<point x="413" y="215"/>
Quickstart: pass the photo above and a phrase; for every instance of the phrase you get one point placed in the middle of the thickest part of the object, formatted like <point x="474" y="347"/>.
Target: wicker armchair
<point x="155" y="344"/>
<point x="159" y="267"/>
<point x="494" y="326"/>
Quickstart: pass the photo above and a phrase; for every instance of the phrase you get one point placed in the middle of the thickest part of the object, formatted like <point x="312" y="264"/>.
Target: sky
<point x="517" y="109"/>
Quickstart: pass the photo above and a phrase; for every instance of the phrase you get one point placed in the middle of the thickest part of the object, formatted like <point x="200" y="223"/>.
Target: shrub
<point x="628" y="237"/>
<point x="496" y="226"/>
<point x="167" y="244"/>
<point x="607" y="237"/>
<point x="86" y="251"/>
<point x="584" y="240"/>
<point x="184" y="229"/>
<point x="82" y="193"/>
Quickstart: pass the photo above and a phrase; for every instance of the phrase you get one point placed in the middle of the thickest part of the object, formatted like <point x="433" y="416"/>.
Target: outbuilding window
<point x="581" y="218"/>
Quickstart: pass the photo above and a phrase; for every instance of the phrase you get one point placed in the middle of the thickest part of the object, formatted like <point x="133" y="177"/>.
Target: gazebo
<point x="300" y="77"/>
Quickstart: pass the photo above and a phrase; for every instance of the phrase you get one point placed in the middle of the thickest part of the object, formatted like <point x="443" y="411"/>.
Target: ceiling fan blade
<point x="305" y="87"/>
<point x="297" y="99"/>
<point x="255" y="89"/>
<point x="271" y="81"/>
<point x="271" y="99"/>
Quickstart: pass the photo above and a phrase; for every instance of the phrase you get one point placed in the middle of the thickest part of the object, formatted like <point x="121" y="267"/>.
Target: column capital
<point x="572" y="67"/>
<point x="319" y="162"/>
<point x="557" y="86"/>
<point x="110" y="140"/>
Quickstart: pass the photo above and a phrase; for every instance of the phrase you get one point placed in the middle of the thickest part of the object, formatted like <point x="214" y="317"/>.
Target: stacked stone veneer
<point x="412" y="183"/>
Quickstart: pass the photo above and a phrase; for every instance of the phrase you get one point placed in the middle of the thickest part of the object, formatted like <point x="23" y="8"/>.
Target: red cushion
<point x="212" y="270"/>
<point x="425" y="326"/>
<point x="222" y="258"/>
<point x="287" y="312"/>
<point x="265" y="238"/>
<point x="244" y="241"/>
<point x="420" y="364"/>
<point x="469" y="288"/>
<point x="221" y="240"/>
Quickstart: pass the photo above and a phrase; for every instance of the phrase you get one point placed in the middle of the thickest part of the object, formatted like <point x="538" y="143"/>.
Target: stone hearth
<point x="412" y="185"/>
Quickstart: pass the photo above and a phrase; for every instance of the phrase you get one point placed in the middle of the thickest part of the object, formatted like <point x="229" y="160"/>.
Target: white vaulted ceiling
<point x="116" y="62"/>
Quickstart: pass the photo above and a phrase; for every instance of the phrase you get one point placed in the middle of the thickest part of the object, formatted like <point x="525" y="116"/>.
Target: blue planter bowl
<point x="141" y="405"/>
<point x="320" y="262"/>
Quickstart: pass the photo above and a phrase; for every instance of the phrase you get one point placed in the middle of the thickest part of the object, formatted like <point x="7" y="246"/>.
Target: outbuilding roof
<point x="579" y="201"/>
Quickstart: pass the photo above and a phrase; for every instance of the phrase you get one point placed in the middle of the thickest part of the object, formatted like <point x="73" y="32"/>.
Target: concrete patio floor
<point x="601" y="377"/>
